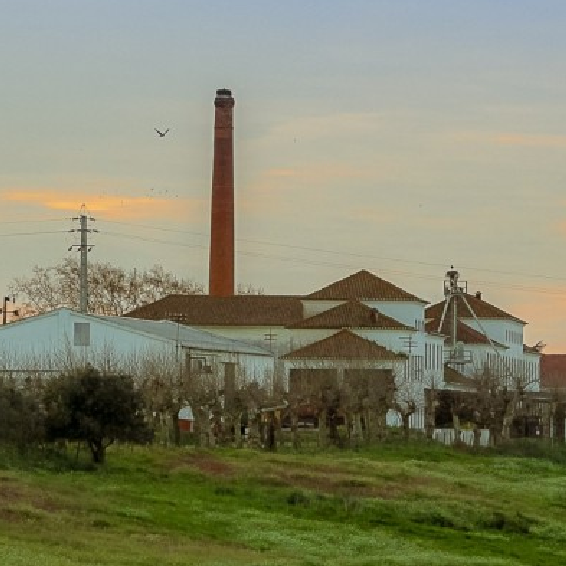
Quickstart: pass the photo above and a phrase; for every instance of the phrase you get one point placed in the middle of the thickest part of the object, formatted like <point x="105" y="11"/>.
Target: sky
<point x="398" y="136"/>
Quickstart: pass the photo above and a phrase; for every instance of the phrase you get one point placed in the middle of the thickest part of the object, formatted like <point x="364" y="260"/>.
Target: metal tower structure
<point x="84" y="248"/>
<point x="454" y="291"/>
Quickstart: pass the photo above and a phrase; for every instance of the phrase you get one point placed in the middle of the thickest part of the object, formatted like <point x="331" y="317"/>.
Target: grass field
<point x="397" y="504"/>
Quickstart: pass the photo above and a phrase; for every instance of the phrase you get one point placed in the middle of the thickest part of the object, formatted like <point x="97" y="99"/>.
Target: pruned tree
<point x="249" y="289"/>
<point x="112" y="290"/>
<point x="95" y="408"/>
<point x="368" y="393"/>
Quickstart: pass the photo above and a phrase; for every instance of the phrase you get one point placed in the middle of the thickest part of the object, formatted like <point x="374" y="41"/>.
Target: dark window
<point x="82" y="334"/>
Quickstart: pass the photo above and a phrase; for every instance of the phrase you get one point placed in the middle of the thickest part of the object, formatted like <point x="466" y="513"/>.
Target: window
<point x="82" y="334"/>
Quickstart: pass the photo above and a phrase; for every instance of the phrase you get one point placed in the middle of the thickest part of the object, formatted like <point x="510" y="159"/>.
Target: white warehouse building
<point x="62" y="339"/>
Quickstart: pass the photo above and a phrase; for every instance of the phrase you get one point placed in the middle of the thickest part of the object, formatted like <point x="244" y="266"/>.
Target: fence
<point x="446" y="436"/>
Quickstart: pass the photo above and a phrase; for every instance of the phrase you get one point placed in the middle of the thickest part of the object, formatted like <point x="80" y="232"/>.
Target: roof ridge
<point x="363" y="285"/>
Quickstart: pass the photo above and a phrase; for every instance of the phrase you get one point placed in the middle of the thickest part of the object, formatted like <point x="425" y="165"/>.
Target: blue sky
<point x="397" y="136"/>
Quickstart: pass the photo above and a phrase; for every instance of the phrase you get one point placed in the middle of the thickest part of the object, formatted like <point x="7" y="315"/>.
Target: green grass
<point x="396" y="504"/>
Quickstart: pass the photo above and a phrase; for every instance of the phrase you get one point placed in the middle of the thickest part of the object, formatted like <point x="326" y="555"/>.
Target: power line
<point x="33" y="233"/>
<point x="306" y="261"/>
<point x="32" y="221"/>
<point x="350" y="254"/>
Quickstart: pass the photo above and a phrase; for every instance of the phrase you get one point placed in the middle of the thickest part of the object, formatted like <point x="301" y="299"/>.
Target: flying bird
<point x="161" y="134"/>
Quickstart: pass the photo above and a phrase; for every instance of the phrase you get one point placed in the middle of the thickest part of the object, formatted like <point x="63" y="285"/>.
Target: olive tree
<point x="95" y="408"/>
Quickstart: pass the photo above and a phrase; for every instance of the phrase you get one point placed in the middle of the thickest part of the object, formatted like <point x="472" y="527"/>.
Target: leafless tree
<point x="112" y="290"/>
<point x="249" y="289"/>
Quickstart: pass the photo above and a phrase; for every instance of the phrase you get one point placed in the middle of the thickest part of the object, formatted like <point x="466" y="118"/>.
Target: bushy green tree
<point x="21" y="420"/>
<point x="97" y="409"/>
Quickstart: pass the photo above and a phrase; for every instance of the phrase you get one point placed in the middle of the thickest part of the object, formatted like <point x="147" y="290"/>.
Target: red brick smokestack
<point x="221" y="267"/>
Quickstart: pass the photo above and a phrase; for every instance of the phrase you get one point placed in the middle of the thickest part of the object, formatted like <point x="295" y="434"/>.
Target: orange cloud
<point x="111" y="207"/>
<point x="546" y="317"/>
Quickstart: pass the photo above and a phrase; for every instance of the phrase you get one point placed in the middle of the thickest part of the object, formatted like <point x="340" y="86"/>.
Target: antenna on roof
<point x="455" y="292"/>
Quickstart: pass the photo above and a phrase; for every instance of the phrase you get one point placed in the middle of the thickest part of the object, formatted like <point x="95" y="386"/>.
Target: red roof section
<point x="352" y="314"/>
<point x="344" y="345"/>
<point x="481" y="308"/>
<point x="363" y="285"/>
<point x="553" y="371"/>
<point x="454" y="377"/>
<point x="238" y="310"/>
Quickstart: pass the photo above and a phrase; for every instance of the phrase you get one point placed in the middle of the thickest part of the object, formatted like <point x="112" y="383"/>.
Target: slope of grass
<point x="414" y="504"/>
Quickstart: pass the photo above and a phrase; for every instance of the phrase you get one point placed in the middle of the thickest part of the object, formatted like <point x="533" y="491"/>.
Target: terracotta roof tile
<point x="553" y="371"/>
<point x="352" y="314"/>
<point x="464" y="333"/>
<point x="454" y="377"/>
<point x="238" y="310"/>
<point x="481" y="308"/>
<point x="344" y="345"/>
<point x="363" y="285"/>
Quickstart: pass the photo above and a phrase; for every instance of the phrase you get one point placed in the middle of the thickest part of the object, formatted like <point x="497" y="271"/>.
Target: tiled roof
<point x="481" y="308"/>
<point x="363" y="285"/>
<point x="531" y="349"/>
<point x="350" y="315"/>
<point x="344" y="345"/>
<point x="464" y="333"/>
<point x="454" y="377"/>
<point x="553" y="371"/>
<point x="238" y="310"/>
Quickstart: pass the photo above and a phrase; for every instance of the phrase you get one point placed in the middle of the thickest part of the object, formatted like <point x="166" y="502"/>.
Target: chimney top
<point x="478" y="294"/>
<point x="224" y="93"/>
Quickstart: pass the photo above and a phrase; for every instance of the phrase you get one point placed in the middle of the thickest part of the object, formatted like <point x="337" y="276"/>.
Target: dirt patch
<point x="204" y="463"/>
<point x="344" y="485"/>
<point x="12" y="495"/>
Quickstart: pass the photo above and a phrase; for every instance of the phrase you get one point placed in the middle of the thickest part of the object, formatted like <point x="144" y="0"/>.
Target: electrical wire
<point x="307" y="261"/>
<point x="34" y="221"/>
<point x="349" y="254"/>
<point x="34" y="233"/>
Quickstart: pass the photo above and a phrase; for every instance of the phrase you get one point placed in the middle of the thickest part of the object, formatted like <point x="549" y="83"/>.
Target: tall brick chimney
<point x="221" y="267"/>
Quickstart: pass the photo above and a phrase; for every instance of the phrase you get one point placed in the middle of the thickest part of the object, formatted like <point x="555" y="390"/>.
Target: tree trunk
<point x="477" y="436"/>
<point x="97" y="450"/>
<point x="406" y="425"/>
<point x="456" y="422"/>
<point x="380" y="422"/>
<point x="322" y="429"/>
<point x="253" y="432"/>
<point x="295" y="428"/>
<point x="430" y="416"/>
<point x="176" y="429"/>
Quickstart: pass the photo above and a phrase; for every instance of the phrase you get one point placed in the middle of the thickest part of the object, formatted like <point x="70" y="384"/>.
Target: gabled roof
<point x="352" y="314"/>
<point x="238" y="310"/>
<point x="481" y="308"/>
<point x="464" y="333"/>
<point x="164" y="331"/>
<point x="553" y="371"/>
<point x="363" y="285"/>
<point x="184" y="335"/>
<point x="344" y="345"/>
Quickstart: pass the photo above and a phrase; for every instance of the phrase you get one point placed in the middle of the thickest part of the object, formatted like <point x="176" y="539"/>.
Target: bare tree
<point x="112" y="290"/>
<point x="249" y="289"/>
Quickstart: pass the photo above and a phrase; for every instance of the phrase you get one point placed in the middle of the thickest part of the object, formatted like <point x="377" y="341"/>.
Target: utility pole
<point x="5" y="311"/>
<point x="270" y="337"/>
<point x="84" y="248"/>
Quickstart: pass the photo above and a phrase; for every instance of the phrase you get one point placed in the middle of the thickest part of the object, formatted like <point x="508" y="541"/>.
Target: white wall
<point x="47" y="341"/>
